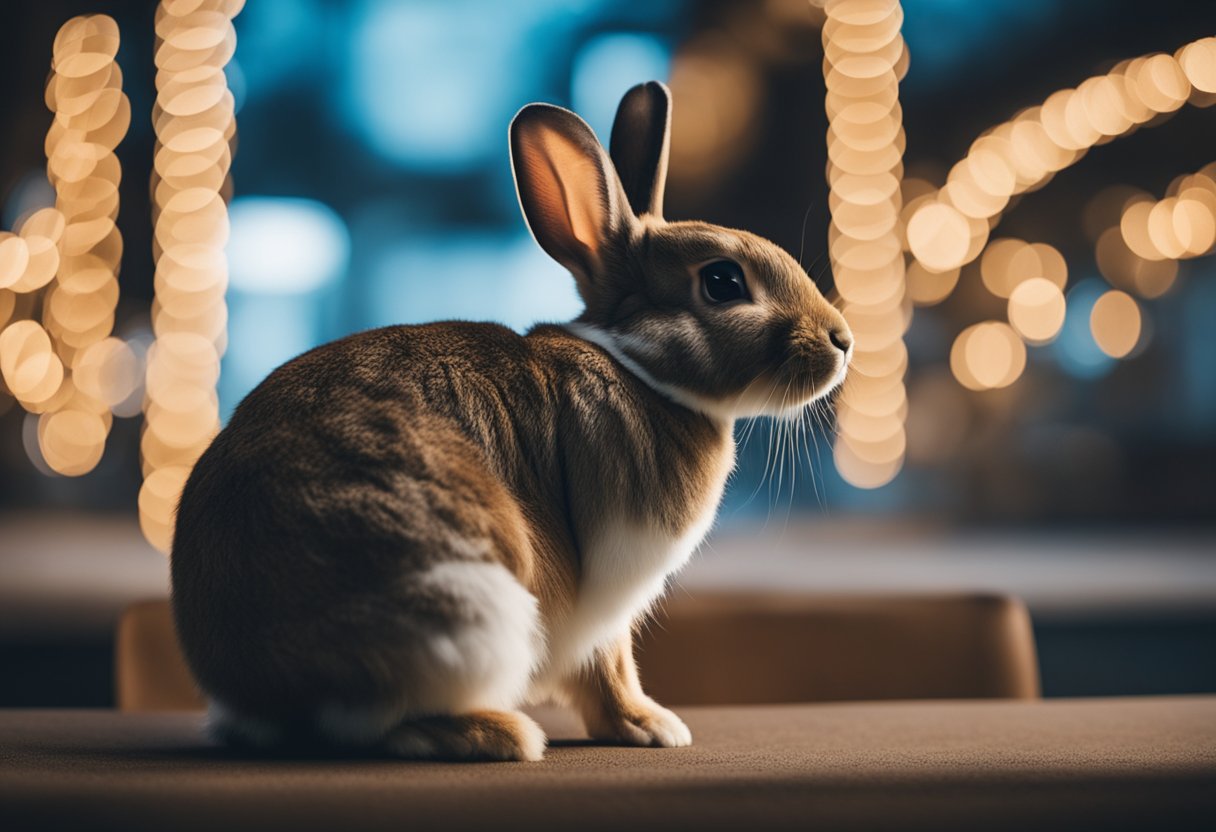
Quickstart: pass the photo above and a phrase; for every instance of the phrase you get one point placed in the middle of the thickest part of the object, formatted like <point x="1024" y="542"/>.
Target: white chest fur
<point x="625" y="569"/>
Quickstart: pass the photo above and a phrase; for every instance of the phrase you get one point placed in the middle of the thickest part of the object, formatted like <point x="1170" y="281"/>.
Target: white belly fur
<point x="625" y="569"/>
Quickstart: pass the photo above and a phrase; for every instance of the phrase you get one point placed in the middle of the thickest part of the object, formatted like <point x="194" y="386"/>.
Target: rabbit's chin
<point x="783" y="397"/>
<point x="766" y="396"/>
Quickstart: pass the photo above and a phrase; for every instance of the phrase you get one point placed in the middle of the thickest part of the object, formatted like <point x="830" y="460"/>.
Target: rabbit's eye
<point x="722" y="281"/>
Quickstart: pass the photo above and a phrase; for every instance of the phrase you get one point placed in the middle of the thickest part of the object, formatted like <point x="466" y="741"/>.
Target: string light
<point x="1008" y="261"/>
<point x="195" y="123"/>
<point x="1179" y="226"/>
<point x="65" y="370"/>
<point x="1126" y="270"/>
<point x="926" y="288"/>
<point x="948" y="228"/>
<point x="1023" y="153"/>
<point x="865" y="57"/>
<point x="987" y="356"/>
<point x="1198" y="62"/>
<point x="1139" y="250"/>
<point x="1036" y="310"/>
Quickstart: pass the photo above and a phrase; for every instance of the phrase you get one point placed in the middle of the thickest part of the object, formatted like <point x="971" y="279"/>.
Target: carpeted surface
<point x="1075" y="764"/>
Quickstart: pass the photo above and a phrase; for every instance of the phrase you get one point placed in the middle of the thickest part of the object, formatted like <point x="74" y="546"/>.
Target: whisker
<point x="768" y="452"/>
<point x="811" y="439"/>
<point x="802" y="239"/>
<point x="781" y="451"/>
<point x="817" y="422"/>
<point x="811" y="449"/>
<point x="796" y="424"/>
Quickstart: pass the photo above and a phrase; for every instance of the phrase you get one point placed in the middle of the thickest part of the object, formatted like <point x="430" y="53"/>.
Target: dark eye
<point x="722" y="281"/>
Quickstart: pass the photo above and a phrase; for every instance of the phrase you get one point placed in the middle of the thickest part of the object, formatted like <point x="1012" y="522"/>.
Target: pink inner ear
<point x="580" y="189"/>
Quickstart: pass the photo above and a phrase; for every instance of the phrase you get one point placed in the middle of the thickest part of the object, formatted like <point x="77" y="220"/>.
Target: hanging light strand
<point x="66" y="370"/>
<point x="864" y="59"/>
<point x="195" y="124"/>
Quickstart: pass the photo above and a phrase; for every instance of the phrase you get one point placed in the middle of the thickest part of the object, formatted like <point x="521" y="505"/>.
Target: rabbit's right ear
<point x="641" y="138"/>
<point x="567" y="187"/>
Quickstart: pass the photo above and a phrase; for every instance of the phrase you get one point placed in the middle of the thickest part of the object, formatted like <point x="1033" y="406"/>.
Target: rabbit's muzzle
<point x="817" y="357"/>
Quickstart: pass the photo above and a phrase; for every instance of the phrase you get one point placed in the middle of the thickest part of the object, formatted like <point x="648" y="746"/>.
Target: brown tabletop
<point x="1068" y="764"/>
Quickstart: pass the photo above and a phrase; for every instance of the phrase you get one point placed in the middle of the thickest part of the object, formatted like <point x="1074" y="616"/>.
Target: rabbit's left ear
<point x="641" y="135"/>
<point x="569" y="192"/>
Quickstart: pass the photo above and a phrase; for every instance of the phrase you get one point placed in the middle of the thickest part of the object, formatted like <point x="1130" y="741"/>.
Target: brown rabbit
<point x="403" y="536"/>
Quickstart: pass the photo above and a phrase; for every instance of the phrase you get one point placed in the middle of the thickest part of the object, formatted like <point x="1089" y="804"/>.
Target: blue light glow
<point x="606" y="67"/>
<point x="32" y="191"/>
<point x="283" y="253"/>
<point x="420" y="91"/>
<point x="433" y="84"/>
<point x="1198" y="347"/>
<point x="263" y="332"/>
<point x="1075" y="349"/>
<point x="474" y="276"/>
<point x="282" y="245"/>
<point x="283" y="41"/>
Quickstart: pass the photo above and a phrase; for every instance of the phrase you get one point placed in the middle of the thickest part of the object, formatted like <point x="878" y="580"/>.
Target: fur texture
<point x="404" y="535"/>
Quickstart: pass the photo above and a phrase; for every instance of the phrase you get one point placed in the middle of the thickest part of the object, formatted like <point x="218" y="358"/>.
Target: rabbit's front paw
<point x="645" y="724"/>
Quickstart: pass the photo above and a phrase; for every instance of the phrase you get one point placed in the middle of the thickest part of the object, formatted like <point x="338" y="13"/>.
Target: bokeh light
<point x="1126" y="270"/>
<point x="865" y="56"/>
<point x="54" y="366"/>
<point x="895" y="241"/>
<point x="1115" y="323"/>
<point x="1075" y="349"/>
<point x="1036" y="310"/>
<point x="925" y="287"/>
<point x="195" y="125"/>
<point x="987" y="356"/>
<point x="1198" y="62"/>
<point x="1021" y="154"/>
<point x="939" y="236"/>
<point x="1008" y="262"/>
<point x="606" y="67"/>
<point x="1138" y="240"/>
<point x="1181" y="225"/>
<point x="718" y="89"/>
<point x="284" y="245"/>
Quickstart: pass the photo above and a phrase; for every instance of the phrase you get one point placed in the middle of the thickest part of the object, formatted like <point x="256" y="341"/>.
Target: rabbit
<point x="404" y="536"/>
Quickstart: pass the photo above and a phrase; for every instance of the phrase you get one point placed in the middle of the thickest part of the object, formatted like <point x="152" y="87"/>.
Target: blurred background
<point x="370" y="185"/>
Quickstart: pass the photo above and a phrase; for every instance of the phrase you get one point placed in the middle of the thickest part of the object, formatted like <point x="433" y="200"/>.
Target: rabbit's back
<point x="342" y="485"/>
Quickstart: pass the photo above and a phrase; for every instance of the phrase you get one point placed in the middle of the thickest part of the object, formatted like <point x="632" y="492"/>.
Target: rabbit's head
<point x="721" y="320"/>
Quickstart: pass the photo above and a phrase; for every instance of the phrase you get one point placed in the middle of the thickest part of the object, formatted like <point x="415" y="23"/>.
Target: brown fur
<point x="482" y="735"/>
<point x="341" y="446"/>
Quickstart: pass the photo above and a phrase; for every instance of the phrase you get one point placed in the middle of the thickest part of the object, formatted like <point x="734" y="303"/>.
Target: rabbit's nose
<point x="841" y="339"/>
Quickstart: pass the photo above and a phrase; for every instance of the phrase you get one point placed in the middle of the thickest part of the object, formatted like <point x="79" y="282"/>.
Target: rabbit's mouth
<point x="816" y="386"/>
<point x="795" y="385"/>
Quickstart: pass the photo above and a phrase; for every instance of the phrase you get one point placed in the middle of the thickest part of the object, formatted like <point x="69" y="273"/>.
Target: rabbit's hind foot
<point x="480" y="735"/>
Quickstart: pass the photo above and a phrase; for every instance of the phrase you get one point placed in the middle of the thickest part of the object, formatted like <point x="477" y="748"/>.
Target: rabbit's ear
<point x="569" y="192"/>
<point x="641" y="136"/>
